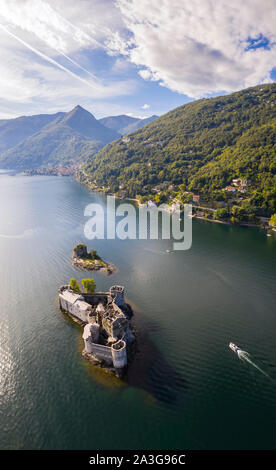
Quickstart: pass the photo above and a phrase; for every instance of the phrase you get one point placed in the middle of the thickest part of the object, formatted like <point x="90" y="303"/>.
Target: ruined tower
<point x="118" y="295"/>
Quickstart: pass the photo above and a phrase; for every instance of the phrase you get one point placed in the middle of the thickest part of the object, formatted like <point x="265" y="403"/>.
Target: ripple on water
<point x="185" y="388"/>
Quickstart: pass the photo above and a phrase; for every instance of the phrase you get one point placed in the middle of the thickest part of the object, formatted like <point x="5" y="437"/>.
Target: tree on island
<point x="79" y="246"/>
<point x="80" y="250"/>
<point x="89" y="285"/>
<point x="94" y="255"/>
<point x="272" y="221"/>
<point x="75" y="285"/>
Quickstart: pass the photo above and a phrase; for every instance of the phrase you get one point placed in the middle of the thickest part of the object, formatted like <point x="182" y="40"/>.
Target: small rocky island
<point x="90" y="261"/>
<point x="105" y="317"/>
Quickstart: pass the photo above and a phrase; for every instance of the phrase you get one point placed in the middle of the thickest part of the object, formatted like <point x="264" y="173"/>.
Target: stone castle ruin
<point x="106" y="319"/>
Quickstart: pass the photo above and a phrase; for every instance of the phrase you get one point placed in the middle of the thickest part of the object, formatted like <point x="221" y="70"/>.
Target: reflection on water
<point x="150" y="369"/>
<point x="184" y="388"/>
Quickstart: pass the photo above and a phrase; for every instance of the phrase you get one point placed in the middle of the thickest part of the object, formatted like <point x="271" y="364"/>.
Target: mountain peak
<point x="77" y="107"/>
<point x="79" y="116"/>
<point x="82" y="121"/>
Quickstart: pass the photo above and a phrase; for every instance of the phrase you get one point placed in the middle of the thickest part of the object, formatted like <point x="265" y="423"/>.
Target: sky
<point x="135" y="57"/>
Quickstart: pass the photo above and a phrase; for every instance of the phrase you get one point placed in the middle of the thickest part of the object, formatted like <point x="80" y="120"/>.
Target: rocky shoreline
<point x="81" y="259"/>
<point x="86" y="265"/>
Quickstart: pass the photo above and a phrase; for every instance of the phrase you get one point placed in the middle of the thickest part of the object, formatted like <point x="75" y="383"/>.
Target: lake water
<point x="186" y="388"/>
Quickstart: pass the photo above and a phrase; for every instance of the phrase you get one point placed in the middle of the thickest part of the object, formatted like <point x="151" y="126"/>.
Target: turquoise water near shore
<point x="186" y="388"/>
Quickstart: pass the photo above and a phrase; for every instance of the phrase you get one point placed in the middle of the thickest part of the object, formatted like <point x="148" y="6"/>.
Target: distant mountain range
<point x="61" y="139"/>
<point x="14" y="131"/>
<point x="125" y="124"/>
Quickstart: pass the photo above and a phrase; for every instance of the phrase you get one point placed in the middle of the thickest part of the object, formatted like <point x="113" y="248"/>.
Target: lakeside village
<point x="230" y="205"/>
<point x="61" y="170"/>
<point x="106" y="320"/>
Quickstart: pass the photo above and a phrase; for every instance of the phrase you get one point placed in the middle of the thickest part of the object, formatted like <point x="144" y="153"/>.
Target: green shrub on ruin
<point x="89" y="286"/>
<point x="94" y="255"/>
<point x="75" y="285"/>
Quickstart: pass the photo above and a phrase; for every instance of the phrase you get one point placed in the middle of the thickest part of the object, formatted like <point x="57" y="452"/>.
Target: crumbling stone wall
<point x="81" y="251"/>
<point x="97" y="298"/>
<point x="104" y="353"/>
<point x="118" y="295"/>
<point x="106" y="318"/>
<point x="119" y="355"/>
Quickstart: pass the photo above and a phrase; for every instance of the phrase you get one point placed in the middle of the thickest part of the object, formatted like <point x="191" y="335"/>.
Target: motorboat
<point x="234" y="348"/>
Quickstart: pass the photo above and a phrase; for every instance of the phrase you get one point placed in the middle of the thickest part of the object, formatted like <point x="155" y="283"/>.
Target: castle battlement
<point x="106" y="320"/>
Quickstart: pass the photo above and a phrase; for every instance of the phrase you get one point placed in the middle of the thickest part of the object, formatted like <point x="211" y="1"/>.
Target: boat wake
<point x="245" y="356"/>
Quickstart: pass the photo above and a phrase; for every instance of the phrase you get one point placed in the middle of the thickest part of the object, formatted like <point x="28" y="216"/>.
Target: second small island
<point x="90" y="261"/>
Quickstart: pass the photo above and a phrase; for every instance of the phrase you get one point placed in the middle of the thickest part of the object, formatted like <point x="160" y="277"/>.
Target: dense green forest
<point x="198" y="148"/>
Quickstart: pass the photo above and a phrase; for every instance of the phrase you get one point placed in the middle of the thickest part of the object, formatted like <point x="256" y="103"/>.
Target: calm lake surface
<point x="186" y="388"/>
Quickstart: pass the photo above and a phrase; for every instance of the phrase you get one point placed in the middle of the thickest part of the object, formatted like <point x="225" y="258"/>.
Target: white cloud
<point x="43" y="49"/>
<point x="145" y="106"/>
<point x="135" y="115"/>
<point x="29" y="85"/>
<point x="195" y="48"/>
<point x="145" y="74"/>
<point x="199" y="47"/>
<point x="47" y="24"/>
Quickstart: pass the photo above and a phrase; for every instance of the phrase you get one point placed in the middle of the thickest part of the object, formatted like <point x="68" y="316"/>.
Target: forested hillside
<point x="199" y="147"/>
